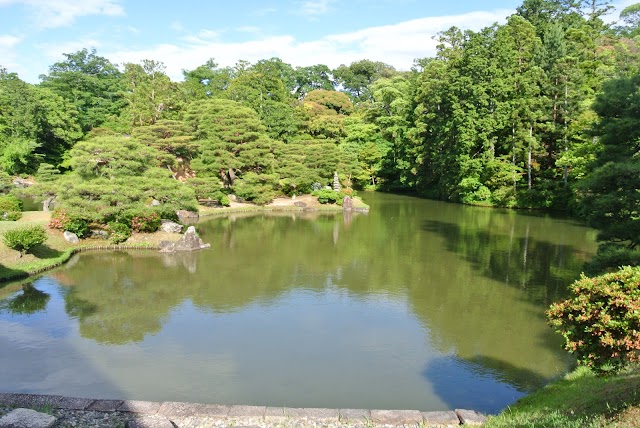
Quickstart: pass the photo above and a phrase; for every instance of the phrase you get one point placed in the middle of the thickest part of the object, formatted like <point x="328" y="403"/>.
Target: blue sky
<point x="184" y="34"/>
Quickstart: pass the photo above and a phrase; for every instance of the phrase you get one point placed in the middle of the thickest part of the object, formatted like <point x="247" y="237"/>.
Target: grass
<point x="56" y="250"/>
<point x="580" y="399"/>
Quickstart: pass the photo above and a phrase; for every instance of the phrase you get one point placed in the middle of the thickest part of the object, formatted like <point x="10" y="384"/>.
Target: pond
<point x="417" y="305"/>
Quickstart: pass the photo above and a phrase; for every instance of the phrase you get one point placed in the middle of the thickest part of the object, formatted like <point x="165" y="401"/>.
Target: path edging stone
<point x="172" y="410"/>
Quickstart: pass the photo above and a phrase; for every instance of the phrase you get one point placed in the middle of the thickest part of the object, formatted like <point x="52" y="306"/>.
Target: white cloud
<point x="397" y="44"/>
<point x="8" y="54"/>
<point x="61" y="13"/>
<point x="313" y="8"/>
<point x="248" y="29"/>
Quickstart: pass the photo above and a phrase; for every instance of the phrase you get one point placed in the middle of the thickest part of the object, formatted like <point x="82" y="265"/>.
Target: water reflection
<point x="419" y="304"/>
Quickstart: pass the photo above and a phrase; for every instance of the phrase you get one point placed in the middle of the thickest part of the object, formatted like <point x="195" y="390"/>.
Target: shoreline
<point x="72" y="411"/>
<point x="151" y="241"/>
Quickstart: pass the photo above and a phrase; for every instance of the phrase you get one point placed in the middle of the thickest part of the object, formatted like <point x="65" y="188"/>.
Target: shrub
<point x="601" y="322"/>
<point x="326" y="196"/>
<point x="9" y="203"/>
<point x="77" y="225"/>
<point x="25" y="238"/>
<point x="12" y="215"/>
<point x="120" y="232"/>
<point x="145" y="223"/>
<point x="59" y="218"/>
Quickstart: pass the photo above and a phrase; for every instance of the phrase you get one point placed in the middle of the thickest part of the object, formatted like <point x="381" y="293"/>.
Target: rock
<point x="71" y="237"/>
<point x="166" y="244"/>
<point x="27" y="418"/>
<point x="47" y="203"/>
<point x="22" y="183"/>
<point x="232" y="198"/>
<point x="155" y="203"/>
<point x="347" y="203"/>
<point x="150" y="422"/>
<point x="300" y="204"/>
<point x="98" y="234"/>
<point x="169" y="226"/>
<point x="186" y="216"/>
<point x="470" y="417"/>
<point x="190" y="241"/>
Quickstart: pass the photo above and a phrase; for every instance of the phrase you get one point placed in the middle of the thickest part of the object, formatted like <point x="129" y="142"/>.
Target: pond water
<point x="417" y="305"/>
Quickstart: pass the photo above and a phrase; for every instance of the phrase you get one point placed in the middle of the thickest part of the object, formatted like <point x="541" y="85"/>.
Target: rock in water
<point x="27" y="418"/>
<point x="170" y="227"/>
<point x="71" y="237"/>
<point x="347" y="203"/>
<point x="190" y="241"/>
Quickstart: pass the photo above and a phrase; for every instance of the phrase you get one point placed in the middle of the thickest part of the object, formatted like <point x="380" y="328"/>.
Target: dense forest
<point x="541" y="112"/>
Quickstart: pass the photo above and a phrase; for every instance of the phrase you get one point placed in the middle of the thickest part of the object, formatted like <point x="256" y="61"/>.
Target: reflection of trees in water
<point x="470" y="299"/>
<point x="29" y="301"/>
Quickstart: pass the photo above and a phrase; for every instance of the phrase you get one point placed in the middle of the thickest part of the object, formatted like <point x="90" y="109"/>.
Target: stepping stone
<point x="471" y="417"/>
<point x="26" y="418"/>
<point x="150" y="422"/>
<point x="441" y="419"/>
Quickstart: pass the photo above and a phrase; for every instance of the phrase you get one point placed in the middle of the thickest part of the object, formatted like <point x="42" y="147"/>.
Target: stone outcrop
<point x="190" y="241"/>
<point x="71" y="237"/>
<point x="27" y="418"/>
<point x="187" y="216"/>
<point x="170" y="227"/>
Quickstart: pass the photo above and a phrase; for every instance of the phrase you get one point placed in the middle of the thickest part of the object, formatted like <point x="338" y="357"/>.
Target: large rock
<point x="187" y="216"/>
<point x="170" y="227"/>
<point x="71" y="237"/>
<point x="98" y="234"/>
<point x="190" y="241"/>
<point x="27" y="418"/>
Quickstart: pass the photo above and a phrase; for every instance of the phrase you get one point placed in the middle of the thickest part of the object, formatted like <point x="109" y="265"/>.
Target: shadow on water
<point x="481" y="383"/>
<point x="540" y="268"/>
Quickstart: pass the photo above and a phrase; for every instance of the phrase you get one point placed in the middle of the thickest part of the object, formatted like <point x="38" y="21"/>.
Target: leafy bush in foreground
<point x="25" y="238"/>
<point x="601" y="322"/>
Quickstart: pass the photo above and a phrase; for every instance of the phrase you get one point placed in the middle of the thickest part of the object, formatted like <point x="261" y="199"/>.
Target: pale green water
<point x="419" y="305"/>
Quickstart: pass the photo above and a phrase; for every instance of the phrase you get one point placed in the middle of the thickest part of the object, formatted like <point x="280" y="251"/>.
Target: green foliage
<point x="257" y="188"/>
<point x="327" y="196"/>
<point x="146" y="223"/>
<point x="78" y="225"/>
<point x="9" y="203"/>
<point x="601" y="322"/>
<point x="120" y="232"/>
<point x="12" y="216"/>
<point x="25" y="238"/>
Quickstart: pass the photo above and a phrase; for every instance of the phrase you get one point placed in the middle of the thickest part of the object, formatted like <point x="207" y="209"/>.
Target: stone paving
<point x="141" y="414"/>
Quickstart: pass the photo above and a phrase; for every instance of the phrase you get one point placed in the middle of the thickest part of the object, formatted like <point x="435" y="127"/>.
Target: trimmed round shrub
<point x="326" y="196"/>
<point x="601" y="322"/>
<point x="25" y="238"/>
<point x="9" y="203"/>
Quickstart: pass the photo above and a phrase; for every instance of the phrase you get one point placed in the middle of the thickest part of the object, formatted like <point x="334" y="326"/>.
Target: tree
<point x="356" y="78"/>
<point x="149" y="93"/>
<point x="90" y="83"/>
<point x="206" y="81"/>
<point x="36" y="125"/>
<point x="312" y="78"/>
<point x="608" y="197"/>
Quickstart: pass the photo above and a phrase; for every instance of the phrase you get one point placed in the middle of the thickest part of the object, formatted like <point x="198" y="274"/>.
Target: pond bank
<point x="86" y="412"/>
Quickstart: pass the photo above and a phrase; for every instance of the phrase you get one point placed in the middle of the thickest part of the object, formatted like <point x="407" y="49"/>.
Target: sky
<point x="184" y="34"/>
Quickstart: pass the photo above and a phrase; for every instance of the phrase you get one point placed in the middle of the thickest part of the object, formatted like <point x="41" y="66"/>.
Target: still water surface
<point x="419" y="305"/>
